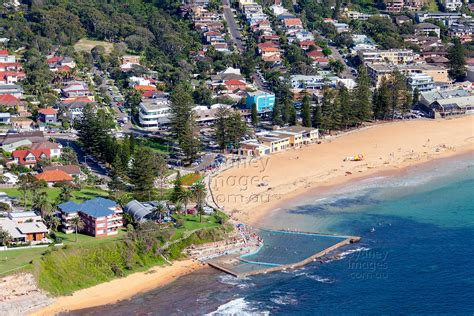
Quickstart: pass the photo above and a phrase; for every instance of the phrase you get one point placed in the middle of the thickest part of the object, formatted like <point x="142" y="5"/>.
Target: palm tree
<point x="77" y="223"/>
<point x="186" y="196"/>
<point x="53" y="222"/>
<point x="200" y="193"/>
<point x="42" y="204"/>
<point x="66" y="193"/>
<point x="159" y="211"/>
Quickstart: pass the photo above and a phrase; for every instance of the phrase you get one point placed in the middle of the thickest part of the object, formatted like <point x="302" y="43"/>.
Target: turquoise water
<point x="416" y="255"/>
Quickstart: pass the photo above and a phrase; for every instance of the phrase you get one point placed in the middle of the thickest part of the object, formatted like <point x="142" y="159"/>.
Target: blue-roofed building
<point x="101" y="216"/>
<point x="264" y="101"/>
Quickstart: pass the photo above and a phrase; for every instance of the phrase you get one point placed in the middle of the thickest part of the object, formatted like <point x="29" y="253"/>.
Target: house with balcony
<point x="421" y="82"/>
<point x="100" y="217"/>
<point x="427" y="29"/>
<point x="154" y="113"/>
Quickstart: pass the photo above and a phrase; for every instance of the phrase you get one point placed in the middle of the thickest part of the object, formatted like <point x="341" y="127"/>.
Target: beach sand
<point x="120" y="289"/>
<point x="386" y="148"/>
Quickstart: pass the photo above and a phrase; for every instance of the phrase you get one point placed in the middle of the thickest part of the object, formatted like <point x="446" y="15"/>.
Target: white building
<point x="421" y="81"/>
<point x="453" y="5"/>
<point x="154" y="113"/>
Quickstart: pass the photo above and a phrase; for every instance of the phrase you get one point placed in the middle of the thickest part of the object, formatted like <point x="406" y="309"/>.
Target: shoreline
<point x="341" y="182"/>
<point x="119" y="289"/>
<point x="288" y="190"/>
<point x="389" y="148"/>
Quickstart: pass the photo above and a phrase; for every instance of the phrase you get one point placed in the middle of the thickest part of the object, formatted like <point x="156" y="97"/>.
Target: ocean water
<point x="416" y="255"/>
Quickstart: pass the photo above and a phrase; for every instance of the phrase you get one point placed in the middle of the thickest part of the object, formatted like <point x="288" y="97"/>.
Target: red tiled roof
<point x="267" y="44"/>
<point x="54" y="59"/>
<point x="315" y="53"/>
<point x="145" y="88"/>
<point x="269" y="49"/>
<point x="48" y="111"/>
<point x="9" y="100"/>
<point x="78" y="99"/>
<point x="54" y="176"/>
<point x="69" y="169"/>
<point x="65" y="68"/>
<point x="37" y="153"/>
<point x="292" y="21"/>
<point x="4" y="65"/>
<point x="234" y="83"/>
<point x="19" y="74"/>
<point x="44" y="145"/>
<point x="3" y="52"/>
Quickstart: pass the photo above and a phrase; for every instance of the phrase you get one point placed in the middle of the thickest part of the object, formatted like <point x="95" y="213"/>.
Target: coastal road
<point x="232" y="25"/>
<point x="346" y="73"/>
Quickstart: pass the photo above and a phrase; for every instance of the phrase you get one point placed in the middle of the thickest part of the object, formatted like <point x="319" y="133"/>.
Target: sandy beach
<point x="386" y="147"/>
<point x="250" y="190"/>
<point x="120" y="289"/>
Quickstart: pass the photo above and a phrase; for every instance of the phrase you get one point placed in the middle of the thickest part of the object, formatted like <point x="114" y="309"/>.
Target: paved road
<point x="233" y="27"/>
<point x="347" y="69"/>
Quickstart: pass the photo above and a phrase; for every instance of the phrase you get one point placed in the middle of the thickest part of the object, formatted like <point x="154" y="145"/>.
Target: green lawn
<point x="53" y="194"/>
<point x="86" y="44"/>
<point x="192" y="223"/>
<point x="158" y="145"/>
<point x="14" y="260"/>
<point x="85" y="240"/>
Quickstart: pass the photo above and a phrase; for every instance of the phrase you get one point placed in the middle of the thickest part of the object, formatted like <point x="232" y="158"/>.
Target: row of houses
<point x="209" y="25"/>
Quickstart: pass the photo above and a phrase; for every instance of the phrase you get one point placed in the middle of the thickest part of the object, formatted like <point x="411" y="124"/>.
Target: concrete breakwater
<point x="281" y="250"/>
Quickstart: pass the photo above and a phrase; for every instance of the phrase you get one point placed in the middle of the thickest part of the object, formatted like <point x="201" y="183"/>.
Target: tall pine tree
<point x="306" y="111"/>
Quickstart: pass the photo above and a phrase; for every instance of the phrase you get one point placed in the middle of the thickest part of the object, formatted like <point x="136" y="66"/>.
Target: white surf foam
<point x="238" y="306"/>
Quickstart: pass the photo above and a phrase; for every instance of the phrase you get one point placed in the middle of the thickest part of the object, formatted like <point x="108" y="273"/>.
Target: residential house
<point x="101" y="217"/>
<point x="5" y="118"/>
<point x="29" y="157"/>
<point x="233" y="85"/>
<point x="55" y="149"/>
<point x="25" y="232"/>
<point x="453" y="5"/>
<point x="11" y="89"/>
<point x="5" y="57"/>
<point x="10" y="101"/>
<point x="75" y="89"/>
<point x="48" y="115"/>
<point x="11" y="77"/>
<point x="394" y="5"/>
<point x="72" y="170"/>
<point x="427" y="29"/>
<point x="318" y="58"/>
<point x="270" y="54"/>
<point x="54" y="176"/>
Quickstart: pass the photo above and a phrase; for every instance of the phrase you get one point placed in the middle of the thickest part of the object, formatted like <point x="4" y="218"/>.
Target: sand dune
<point x="388" y="146"/>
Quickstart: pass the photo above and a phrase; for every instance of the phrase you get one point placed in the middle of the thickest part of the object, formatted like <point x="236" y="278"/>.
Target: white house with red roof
<point x="5" y="57"/>
<point x="48" y="115"/>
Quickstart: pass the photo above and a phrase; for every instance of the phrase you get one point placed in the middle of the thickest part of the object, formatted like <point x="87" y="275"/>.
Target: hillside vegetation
<point x="63" y="271"/>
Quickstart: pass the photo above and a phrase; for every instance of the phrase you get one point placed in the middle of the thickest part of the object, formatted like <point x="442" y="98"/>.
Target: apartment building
<point x="100" y="217"/>
<point x="154" y="113"/>
<point x="395" y="56"/>
<point x="421" y="82"/>
<point x="377" y="71"/>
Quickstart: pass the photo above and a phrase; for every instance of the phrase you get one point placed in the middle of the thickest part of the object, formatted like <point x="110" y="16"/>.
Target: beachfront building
<point x="377" y="71"/>
<point x="447" y="103"/>
<point x="264" y="101"/>
<point x="154" y="113"/>
<point x="279" y="140"/>
<point x="25" y="227"/>
<point x="101" y="217"/>
<point x="421" y="82"/>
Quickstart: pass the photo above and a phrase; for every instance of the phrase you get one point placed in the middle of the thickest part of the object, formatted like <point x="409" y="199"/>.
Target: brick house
<point x="100" y="216"/>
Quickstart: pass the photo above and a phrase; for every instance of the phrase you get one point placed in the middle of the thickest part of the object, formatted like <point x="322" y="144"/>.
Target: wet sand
<point x="387" y="148"/>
